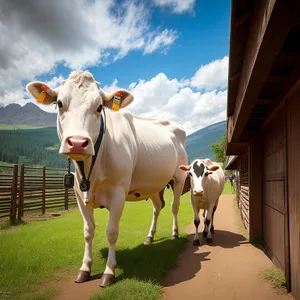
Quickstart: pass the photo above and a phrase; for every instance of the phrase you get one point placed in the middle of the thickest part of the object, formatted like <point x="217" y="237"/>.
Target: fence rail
<point x="25" y="189"/>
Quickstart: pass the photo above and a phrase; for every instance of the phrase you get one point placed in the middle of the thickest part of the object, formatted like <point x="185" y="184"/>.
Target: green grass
<point x="17" y="127"/>
<point x="130" y="289"/>
<point x="227" y="189"/>
<point x="276" y="278"/>
<point x="41" y="252"/>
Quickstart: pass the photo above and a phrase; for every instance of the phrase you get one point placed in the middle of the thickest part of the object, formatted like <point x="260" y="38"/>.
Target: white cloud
<point x="211" y="76"/>
<point x="163" y="97"/>
<point x="162" y="40"/>
<point x="36" y="36"/>
<point x="178" y="6"/>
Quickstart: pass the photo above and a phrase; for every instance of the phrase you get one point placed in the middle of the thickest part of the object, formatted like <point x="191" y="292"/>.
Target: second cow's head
<point x="79" y="103"/>
<point x="199" y="173"/>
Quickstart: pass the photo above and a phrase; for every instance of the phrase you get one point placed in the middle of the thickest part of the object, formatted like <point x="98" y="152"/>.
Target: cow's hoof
<point x="149" y="240"/>
<point x="212" y="230"/>
<point x="204" y="234"/>
<point x="174" y="237"/>
<point x="209" y="240"/>
<point x="82" y="276"/>
<point x="106" y="280"/>
<point x="196" y="242"/>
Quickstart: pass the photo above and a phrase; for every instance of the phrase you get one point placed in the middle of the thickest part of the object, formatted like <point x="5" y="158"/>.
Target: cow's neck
<point x="85" y="167"/>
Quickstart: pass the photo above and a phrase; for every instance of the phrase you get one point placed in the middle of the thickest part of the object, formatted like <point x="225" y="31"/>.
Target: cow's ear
<point x="124" y="96"/>
<point x="41" y="93"/>
<point x="184" y="168"/>
<point x="213" y="168"/>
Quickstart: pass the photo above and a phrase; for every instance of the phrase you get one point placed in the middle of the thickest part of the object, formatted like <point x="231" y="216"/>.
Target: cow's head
<point x="79" y="103"/>
<point x="199" y="173"/>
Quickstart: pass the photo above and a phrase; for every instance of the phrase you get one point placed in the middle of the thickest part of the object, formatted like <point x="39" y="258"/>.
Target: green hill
<point x="40" y="146"/>
<point x="198" y="143"/>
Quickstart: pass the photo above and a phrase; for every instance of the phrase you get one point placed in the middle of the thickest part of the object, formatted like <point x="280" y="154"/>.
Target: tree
<point x="219" y="150"/>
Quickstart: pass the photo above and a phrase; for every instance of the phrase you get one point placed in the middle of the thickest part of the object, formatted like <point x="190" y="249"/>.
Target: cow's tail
<point x="161" y="193"/>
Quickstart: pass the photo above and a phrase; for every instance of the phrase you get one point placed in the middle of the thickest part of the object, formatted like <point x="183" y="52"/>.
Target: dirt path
<point x="228" y="269"/>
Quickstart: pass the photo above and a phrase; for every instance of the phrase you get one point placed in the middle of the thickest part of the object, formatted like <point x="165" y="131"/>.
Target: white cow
<point x="136" y="159"/>
<point x="207" y="184"/>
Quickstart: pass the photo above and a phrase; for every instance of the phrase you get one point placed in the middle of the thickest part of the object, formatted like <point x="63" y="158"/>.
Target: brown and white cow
<point x="134" y="158"/>
<point x="207" y="184"/>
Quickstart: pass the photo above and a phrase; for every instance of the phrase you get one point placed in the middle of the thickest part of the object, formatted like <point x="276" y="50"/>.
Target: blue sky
<point x="166" y="52"/>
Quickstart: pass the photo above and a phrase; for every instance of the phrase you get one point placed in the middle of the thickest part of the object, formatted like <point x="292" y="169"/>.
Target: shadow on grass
<point x="150" y="262"/>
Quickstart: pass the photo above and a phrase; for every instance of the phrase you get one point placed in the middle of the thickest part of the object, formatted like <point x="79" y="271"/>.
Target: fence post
<point x="14" y="193"/>
<point x="44" y="191"/>
<point x="21" y="194"/>
<point x="66" y="198"/>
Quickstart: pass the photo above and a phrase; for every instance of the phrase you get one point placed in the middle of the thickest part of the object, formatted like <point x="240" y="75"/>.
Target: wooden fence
<point x="26" y="189"/>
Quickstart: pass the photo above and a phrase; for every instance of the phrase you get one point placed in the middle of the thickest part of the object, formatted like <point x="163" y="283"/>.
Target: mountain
<point x="29" y="114"/>
<point x="198" y="143"/>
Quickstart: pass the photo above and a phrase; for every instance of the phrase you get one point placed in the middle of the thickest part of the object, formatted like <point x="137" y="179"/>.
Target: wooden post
<point x="66" y="198"/>
<point x="14" y="193"/>
<point x="21" y="194"/>
<point x="44" y="191"/>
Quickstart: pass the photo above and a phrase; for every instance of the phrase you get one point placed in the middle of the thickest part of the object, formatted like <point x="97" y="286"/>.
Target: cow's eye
<point x="190" y="173"/>
<point x="206" y="174"/>
<point x="59" y="104"/>
<point x="99" y="109"/>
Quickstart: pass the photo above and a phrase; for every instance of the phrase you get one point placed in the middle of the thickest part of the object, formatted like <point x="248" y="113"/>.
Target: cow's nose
<point x="198" y="192"/>
<point x="76" y="144"/>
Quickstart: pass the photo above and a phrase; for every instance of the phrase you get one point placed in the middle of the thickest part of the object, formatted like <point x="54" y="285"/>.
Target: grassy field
<point x="227" y="189"/>
<point x="38" y="253"/>
<point x="16" y="127"/>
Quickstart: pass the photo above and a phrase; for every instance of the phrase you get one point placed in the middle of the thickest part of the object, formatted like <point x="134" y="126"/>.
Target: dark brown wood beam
<point x="245" y="18"/>
<point x="291" y="86"/>
<point x="265" y="101"/>
<point x="272" y="20"/>
<point x="277" y="79"/>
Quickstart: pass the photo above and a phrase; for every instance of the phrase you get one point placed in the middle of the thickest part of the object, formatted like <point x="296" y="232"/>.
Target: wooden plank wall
<point x="293" y="124"/>
<point x="244" y="187"/>
<point x="274" y="193"/>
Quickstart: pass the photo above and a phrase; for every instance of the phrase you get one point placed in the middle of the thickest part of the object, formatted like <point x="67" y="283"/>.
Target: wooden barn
<point x="263" y="126"/>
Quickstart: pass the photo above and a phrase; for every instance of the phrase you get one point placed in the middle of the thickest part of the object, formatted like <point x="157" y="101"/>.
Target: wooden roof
<point x="264" y="64"/>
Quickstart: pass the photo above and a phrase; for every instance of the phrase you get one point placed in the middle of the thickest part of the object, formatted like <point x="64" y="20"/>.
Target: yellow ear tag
<point x="116" y="102"/>
<point x="42" y="97"/>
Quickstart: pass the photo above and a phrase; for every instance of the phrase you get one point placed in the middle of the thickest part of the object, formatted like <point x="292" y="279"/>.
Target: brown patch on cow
<point x="137" y="195"/>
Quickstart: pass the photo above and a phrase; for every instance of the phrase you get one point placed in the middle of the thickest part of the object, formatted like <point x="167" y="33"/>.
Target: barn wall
<point x="274" y="190"/>
<point x="243" y="186"/>
<point x="293" y="124"/>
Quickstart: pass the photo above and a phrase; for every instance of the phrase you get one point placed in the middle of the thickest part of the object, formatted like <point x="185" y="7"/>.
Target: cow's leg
<point x="178" y="186"/>
<point x="156" y="210"/>
<point x="196" y="209"/>
<point x="87" y="213"/>
<point x="116" y="207"/>
<point x="212" y="228"/>
<point x="207" y="232"/>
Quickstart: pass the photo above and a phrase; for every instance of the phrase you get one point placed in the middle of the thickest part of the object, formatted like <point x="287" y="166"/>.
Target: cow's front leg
<point x="208" y="222"/>
<point x="156" y="210"/>
<point x="116" y="207"/>
<point x="196" y="209"/>
<point x="87" y="213"/>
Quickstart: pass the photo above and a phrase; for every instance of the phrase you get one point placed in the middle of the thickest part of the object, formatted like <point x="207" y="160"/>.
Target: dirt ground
<point x="228" y="269"/>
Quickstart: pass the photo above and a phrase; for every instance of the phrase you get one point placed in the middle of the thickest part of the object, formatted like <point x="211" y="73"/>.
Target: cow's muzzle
<point x="198" y="192"/>
<point x="77" y="146"/>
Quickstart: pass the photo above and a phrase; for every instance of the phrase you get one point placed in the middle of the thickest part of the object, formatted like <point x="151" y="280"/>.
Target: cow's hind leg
<point x="178" y="186"/>
<point x="87" y="213"/>
<point x="157" y="206"/>
<point x="116" y="207"/>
